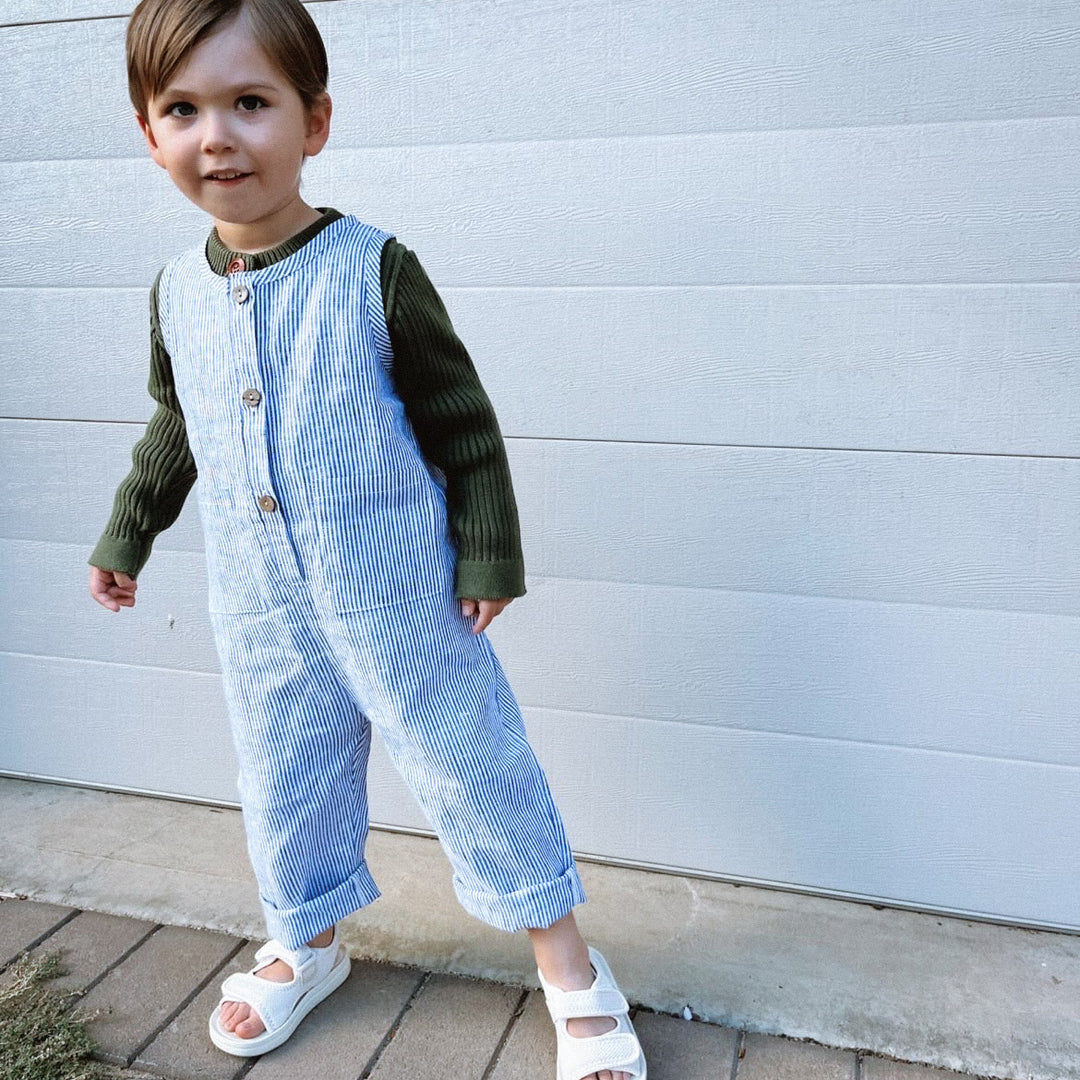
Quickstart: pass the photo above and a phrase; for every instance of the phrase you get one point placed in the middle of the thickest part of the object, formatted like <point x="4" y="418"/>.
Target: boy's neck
<point x="263" y="235"/>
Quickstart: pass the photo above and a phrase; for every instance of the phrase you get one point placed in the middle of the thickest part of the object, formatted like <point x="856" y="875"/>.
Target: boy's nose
<point x="216" y="134"/>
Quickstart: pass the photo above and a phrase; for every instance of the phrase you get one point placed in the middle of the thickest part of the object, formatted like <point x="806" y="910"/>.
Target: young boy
<point x="358" y="513"/>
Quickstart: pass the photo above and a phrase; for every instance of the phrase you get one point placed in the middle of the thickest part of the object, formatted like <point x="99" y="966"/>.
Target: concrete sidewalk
<point x="156" y="985"/>
<point x="148" y="885"/>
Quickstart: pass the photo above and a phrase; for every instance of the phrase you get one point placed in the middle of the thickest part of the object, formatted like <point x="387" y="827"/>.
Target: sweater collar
<point x="219" y="256"/>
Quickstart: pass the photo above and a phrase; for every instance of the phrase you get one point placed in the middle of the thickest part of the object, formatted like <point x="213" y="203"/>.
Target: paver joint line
<point x="398" y="1021"/>
<point x="130" y="1060"/>
<point x="740" y="1053"/>
<point x="120" y="959"/>
<point x="185" y="1002"/>
<point x="44" y="936"/>
<point x="519" y="1008"/>
<point x="246" y="1067"/>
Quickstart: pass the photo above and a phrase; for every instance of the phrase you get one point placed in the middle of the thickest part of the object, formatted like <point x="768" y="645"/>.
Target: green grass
<point x="41" y="1036"/>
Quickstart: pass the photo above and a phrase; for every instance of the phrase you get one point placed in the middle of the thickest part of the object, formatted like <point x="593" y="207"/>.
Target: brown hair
<point x="161" y="33"/>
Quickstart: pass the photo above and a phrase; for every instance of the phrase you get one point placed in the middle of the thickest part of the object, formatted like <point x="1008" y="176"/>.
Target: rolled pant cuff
<point x="296" y="926"/>
<point x="538" y="906"/>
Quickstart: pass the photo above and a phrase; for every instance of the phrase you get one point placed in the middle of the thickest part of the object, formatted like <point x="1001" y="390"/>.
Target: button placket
<point x="255" y="436"/>
<point x="253" y="421"/>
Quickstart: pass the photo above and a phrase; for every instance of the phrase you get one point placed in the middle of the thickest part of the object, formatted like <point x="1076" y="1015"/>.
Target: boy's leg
<point x="302" y="746"/>
<point x="563" y="957"/>
<point x="452" y="727"/>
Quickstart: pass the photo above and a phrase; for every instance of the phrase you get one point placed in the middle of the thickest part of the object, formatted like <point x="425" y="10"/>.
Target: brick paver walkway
<point x="156" y="986"/>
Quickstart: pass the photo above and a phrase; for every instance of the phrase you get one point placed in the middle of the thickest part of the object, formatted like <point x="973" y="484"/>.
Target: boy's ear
<point x="318" y="125"/>
<point x="151" y="142"/>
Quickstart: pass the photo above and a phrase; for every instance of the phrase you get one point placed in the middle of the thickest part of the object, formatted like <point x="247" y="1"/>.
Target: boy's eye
<point x="250" y="102"/>
<point x="179" y="108"/>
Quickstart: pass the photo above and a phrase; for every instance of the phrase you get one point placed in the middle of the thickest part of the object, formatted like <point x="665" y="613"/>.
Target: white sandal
<point x="317" y="972"/>
<point x="617" y="1050"/>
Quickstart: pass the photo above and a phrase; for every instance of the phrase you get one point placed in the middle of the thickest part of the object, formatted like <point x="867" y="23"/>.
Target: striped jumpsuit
<point x="331" y="597"/>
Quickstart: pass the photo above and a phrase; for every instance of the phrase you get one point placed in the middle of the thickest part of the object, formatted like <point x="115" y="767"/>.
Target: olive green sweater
<point x="449" y="411"/>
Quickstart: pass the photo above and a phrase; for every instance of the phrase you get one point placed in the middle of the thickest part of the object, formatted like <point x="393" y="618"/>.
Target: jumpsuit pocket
<point x="230" y="591"/>
<point x="235" y="584"/>
<point x="385" y="547"/>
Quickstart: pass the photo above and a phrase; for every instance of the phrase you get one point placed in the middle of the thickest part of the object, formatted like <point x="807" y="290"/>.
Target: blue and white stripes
<point x="331" y="594"/>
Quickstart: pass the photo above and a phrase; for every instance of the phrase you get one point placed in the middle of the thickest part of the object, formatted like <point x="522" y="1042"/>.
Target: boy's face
<point x="232" y="133"/>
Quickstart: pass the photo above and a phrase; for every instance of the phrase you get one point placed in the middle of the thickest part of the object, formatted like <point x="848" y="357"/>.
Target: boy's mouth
<point x="226" y="176"/>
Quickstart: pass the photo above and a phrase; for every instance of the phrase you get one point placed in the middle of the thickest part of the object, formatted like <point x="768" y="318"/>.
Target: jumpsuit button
<point x="236" y="266"/>
<point x="252" y="397"/>
<point x="240" y="293"/>
<point x="267" y="502"/>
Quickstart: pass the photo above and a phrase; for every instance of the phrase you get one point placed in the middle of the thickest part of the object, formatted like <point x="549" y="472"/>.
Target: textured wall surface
<point x="778" y="307"/>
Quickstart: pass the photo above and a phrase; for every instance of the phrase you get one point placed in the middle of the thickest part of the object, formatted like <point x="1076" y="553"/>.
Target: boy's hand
<point x="112" y="588"/>
<point x="485" y="609"/>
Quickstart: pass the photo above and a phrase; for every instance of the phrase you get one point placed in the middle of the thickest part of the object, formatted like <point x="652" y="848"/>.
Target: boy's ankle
<point x="565" y="977"/>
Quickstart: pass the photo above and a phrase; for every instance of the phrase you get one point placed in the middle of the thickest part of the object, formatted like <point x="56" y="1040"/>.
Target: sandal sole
<point x="270" y="1040"/>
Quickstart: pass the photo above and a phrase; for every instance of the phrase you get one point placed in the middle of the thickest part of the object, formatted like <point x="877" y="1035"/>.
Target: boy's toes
<point x="239" y="1018"/>
<point x="228" y="1015"/>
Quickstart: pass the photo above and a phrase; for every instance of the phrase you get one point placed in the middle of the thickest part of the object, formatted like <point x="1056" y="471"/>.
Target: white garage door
<point x="778" y="308"/>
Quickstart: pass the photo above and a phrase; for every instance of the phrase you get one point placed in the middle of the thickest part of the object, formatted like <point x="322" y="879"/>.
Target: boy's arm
<point x="152" y="495"/>
<point x="456" y="428"/>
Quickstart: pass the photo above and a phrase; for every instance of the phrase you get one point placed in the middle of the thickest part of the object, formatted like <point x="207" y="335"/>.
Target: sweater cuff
<point x="493" y="580"/>
<point x="128" y="556"/>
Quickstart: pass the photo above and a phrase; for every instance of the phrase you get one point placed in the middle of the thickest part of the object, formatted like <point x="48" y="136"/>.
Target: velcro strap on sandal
<point x="272" y="1001"/>
<point x="618" y="1051"/>
<point x="597" y="1001"/>
<point x="301" y="960"/>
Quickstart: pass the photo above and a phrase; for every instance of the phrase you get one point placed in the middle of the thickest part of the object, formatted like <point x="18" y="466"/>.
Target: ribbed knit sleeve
<point x="450" y="413"/>
<point x="456" y="428"/>
<point x="152" y="495"/>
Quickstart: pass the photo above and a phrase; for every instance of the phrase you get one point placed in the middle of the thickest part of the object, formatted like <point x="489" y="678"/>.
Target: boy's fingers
<point x="112" y="589"/>
<point x="488" y="610"/>
<point x="105" y="600"/>
<point x="99" y="587"/>
<point x="484" y="610"/>
<point x="108" y="578"/>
